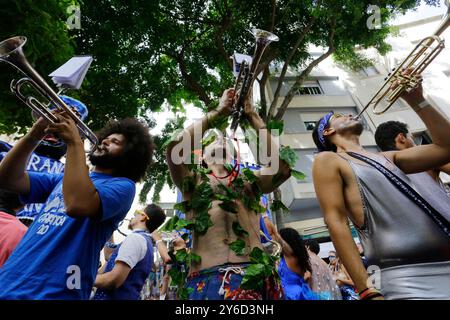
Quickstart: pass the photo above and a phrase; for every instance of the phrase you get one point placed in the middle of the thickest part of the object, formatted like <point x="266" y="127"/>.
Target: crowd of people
<point x="227" y="249"/>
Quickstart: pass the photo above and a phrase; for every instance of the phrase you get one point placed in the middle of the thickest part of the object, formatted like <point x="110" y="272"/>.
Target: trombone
<point x="247" y="74"/>
<point x="11" y="52"/>
<point x="421" y="56"/>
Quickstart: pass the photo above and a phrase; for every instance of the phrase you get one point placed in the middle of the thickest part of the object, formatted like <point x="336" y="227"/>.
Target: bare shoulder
<point x="326" y="160"/>
<point x="325" y="156"/>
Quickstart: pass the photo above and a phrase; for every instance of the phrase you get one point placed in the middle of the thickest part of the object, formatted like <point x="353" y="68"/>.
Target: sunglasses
<point x="141" y="212"/>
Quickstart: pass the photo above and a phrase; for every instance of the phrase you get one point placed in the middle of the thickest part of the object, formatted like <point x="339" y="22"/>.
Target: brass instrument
<point x="247" y="74"/>
<point x="11" y="52"/>
<point x="422" y="55"/>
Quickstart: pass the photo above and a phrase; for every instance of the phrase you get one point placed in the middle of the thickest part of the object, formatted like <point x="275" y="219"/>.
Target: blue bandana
<point x="322" y="126"/>
<point x="74" y="103"/>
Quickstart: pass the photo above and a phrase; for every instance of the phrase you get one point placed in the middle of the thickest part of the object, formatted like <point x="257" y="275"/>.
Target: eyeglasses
<point x="141" y="212"/>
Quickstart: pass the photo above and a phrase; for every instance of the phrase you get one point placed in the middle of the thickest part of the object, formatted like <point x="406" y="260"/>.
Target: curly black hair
<point x="387" y="132"/>
<point x="138" y="151"/>
<point x="313" y="245"/>
<point x="295" y="241"/>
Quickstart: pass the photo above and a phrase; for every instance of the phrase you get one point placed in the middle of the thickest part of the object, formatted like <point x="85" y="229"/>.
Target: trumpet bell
<point x="264" y="35"/>
<point x="11" y="52"/>
<point x="11" y="49"/>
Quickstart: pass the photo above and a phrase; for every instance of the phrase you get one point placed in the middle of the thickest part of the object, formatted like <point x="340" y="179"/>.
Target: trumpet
<point x="421" y="56"/>
<point x="247" y="74"/>
<point x="11" y="52"/>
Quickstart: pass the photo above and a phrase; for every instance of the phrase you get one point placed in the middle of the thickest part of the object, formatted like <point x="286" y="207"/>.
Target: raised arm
<point x="426" y="157"/>
<point x="161" y="247"/>
<point x="329" y="188"/>
<point x="13" y="175"/>
<point x="276" y="167"/>
<point x="80" y="196"/>
<point x="189" y="138"/>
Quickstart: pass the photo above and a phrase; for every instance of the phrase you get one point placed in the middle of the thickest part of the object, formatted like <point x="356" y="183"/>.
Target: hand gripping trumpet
<point x="12" y="53"/>
<point x="247" y="74"/>
<point x="422" y="55"/>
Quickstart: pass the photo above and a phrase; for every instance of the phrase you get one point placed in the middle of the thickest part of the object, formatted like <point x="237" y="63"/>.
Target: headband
<point x="323" y="123"/>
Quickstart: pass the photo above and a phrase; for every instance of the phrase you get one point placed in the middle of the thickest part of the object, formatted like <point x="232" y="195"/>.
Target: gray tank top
<point x="396" y="231"/>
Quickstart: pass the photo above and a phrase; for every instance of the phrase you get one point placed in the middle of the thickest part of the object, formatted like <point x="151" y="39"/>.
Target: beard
<point x="106" y="161"/>
<point x="354" y="128"/>
<point x="358" y="128"/>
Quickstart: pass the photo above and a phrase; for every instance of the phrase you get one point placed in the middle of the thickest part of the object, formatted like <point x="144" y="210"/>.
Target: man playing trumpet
<point x="58" y="256"/>
<point x="225" y="232"/>
<point x="401" y="235"/>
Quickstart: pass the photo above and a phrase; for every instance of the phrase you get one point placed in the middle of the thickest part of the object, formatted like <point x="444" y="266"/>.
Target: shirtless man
<point x="217" y="258"/>
<point x="397" y="235"/>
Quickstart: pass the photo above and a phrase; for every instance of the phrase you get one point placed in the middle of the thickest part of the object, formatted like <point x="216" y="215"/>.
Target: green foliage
<point x="276" y="125"/>
<point x="298" y="175"/>
<point x="171" y="224"/>
<point x="184" y="224"/>
<point x="228" y="206"/>
<point x="262" y="266"/>
<point x="288" y="155"/>
<point x="249" y="175"/>
<point x="49" y="44"/>
<point x="182" y="206"/>
<point x="202" y="222"/>
<point x="238" y="230"/>
<point x="353" y="60"/>
<point x="278" y="205"/>
<point x="208" y="141"/>
<point x="238" y="247"/>
<point x="254" y="277"/>
<point x="219" y="122"/>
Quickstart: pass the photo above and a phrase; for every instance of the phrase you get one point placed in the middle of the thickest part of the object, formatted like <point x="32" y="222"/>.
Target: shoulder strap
<point x="408" y="191"/>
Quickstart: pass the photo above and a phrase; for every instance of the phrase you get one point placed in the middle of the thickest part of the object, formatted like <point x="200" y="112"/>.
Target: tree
<point x="49" y="45"/>
<point x="153" y="53"/>
<point x="180" y="49"/>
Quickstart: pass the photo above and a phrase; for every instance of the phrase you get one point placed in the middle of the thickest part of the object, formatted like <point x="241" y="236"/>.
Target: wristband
<point x="369" y="293"/>
<point x="371" y="296"/>
<point x="421" y="105"/>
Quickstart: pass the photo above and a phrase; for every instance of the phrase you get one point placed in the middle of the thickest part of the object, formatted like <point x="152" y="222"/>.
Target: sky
<point x="422" y="12"/>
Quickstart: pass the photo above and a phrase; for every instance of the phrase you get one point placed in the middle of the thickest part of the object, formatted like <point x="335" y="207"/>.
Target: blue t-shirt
<point x="36" y="163"/>
<point x="58" y="256"/>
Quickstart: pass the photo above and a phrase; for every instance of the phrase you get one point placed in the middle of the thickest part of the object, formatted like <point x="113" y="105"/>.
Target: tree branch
<point x="224" y="25"/>
<point x="272" y="20"/>
<point x="301" y="78"/>
<point x="287" y="62"/>
<point x="191" y="83"/>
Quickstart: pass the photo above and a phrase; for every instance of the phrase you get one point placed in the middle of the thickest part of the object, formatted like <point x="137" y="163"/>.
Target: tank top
<point x="396" y="231"/>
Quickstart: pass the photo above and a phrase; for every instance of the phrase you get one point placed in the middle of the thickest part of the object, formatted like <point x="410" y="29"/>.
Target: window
<point x="310" y="88"/>
<point x="310" y="125"/>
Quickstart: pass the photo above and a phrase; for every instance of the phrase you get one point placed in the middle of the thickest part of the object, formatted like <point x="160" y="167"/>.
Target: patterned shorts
<point x="223" y="283"/>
